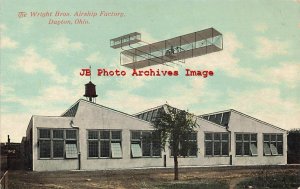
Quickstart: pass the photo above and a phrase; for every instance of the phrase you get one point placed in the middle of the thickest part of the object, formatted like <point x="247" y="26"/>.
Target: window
<point x="220" y="118"/>
<point x="104" y="144"/>
<point x="216" y="144"/>
<point x="273" y="144"/>
<point x="193" y="146"/>
<point x="57" y="143"/>
<point x="45" y="148"/>
<point x="144" y="144"/>
<point x="246" y="144"/>
<point x="71" y="144"/>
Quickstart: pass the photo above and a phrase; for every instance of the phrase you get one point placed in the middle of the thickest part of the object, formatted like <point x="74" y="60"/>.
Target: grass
<point x="272" y="181"/>
<point x="190" y="178"/>
<point x="195" y="185"/>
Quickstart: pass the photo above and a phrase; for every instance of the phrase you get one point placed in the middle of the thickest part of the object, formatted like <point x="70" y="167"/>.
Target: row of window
<point x="62" y="143"/>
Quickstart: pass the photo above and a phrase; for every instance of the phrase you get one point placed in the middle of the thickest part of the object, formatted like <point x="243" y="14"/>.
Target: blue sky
<point x="256" y="73"/>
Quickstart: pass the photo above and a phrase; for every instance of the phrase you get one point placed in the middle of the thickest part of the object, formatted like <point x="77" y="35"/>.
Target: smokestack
<point x="8" y="139"/>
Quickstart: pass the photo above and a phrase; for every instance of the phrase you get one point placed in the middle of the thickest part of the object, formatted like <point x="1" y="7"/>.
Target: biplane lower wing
<point x="164" y="59"/>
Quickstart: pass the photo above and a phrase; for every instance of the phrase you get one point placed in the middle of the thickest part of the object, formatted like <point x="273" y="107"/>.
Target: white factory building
<point x="89" y="136"/>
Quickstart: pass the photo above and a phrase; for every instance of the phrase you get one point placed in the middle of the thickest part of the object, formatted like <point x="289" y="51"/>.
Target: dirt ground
<point x="140" y="178"/>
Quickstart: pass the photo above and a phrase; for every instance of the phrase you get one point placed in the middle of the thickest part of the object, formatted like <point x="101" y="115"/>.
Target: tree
<point x="175" y="127"/>
<point x="293" y="142"/>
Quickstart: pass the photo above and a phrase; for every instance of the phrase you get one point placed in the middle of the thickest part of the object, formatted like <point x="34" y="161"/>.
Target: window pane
<point x="136" y="150"/>
<point x="172" y="151"/>
<point x="58" y="148"/>
<point x="58" y="134"/>
<point x="225" y="119"/>
<point x="279" y="138"/>
<point x="149" y="116"/>
<point x="193" y="136"/>
<point x="254" y="137"/>
<point x="238" y="137"/>
<point x="246" y="137"/>
<point x="71" y="134"/>
<point x="146" y="148"/>
<point x="104" y="134"/>
<point x="273" y="149"/>
<point x="183" y="152"/>
<point x="93" y="134"/>
<point x="208" y="136"/>
<point x="246" y="148"/>
<point x="71" y="151"/>
<point x="280" y="147"/>
<point x="44" y="133"/>
<point x="156" y="148"/>
<point x="93" y="148"/>
<point x="208" y="148"/>
<point x="193" y="149"/>
<point x="217" y="148"/>
<point x="273" y="137"/>
<point x="154" y="115"/>
<point x="145" y="116"/>
<point x="224" y="148"/>
<point x="266" y="137"/>
<point x="104" y="149"/>
<point x="45" y="148"/>
<point x="267" y="150"/>
<point x="116" y="151"/>
<point x="212" y="118"/>
<point x="253" y="149"/>
<point x="238" y="148"/>
<point x="225" y="136"/>
<point x="146" y="135"/>
<point x="116" y="135"/>
<point x="136" y="135"/>
<point x="218" y="118"/>
<point x="217" y="136"/>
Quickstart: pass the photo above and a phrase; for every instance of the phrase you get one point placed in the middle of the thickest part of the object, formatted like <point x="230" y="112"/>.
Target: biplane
<point x="138" y="54"/>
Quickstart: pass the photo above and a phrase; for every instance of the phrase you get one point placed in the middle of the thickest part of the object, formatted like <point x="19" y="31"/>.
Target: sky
<point x="257" y="72"/>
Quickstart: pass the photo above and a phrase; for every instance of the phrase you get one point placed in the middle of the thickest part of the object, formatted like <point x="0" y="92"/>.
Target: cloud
<point x="268" y="105"/>
<point x="8" y="43"/>
<point x="63" y="44"/>
<point x="50" y="102"/>
<point x="95" y="57"/>
<point x="31" y="62"/>
<point x="2" y="27"/>
<point x="261" y="27"/>
<point x="267" y="48"/>
<point x="285" y="73"/>
<point x="224" y="60"/>
<point x="129" y="102"/>
<point x="4" y="89"/>
<point x="180" y="96"/>
<point x="146" y="36"/>
<point x="13" y="125"/>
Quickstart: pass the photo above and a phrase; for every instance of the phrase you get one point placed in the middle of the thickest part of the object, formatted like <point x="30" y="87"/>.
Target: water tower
<point x="90" y="92"/>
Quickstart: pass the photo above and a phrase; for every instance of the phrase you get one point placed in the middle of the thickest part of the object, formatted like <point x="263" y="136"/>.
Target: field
<point x="190" y="178"/>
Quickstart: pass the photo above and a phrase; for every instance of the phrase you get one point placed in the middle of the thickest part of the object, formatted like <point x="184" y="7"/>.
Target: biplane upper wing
<point x="175" y="49"/>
